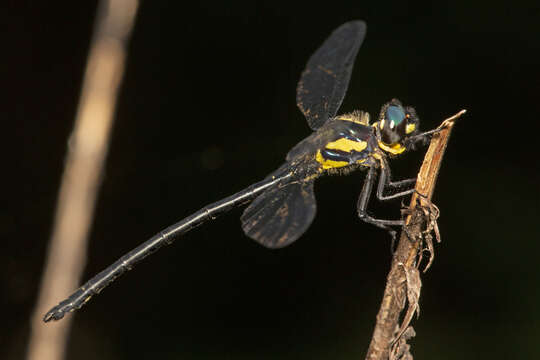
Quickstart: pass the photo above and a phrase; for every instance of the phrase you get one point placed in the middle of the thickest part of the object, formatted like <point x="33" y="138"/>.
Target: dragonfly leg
<point x="385" y="182"/>
<point x="363" y="202"/>
<point x="423" y="138"/>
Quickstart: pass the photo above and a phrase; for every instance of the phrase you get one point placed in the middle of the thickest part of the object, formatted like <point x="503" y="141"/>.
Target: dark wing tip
<point x="324" y="82"/>
<point x="360" y="26"/>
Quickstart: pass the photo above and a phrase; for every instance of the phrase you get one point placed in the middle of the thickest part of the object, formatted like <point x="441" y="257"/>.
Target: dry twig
<point x="403" y="281"/>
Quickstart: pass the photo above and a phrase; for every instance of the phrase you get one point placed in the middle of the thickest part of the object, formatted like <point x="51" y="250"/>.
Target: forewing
<point x="325" y="80"/>
<point x="281" y="215"/>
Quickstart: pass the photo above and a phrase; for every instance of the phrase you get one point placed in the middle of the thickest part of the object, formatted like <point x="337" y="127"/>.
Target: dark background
<point x="207" y="107"/>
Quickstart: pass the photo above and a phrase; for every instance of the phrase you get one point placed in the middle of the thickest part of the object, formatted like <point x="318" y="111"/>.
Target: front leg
<point x="386" y="176"/>
<point x="363" y="202"/>
<point x="423" y="138"/>
<point x="385" y="182"/>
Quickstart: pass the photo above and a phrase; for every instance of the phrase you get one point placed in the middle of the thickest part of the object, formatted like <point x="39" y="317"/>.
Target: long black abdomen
<point x="164" y="237"/>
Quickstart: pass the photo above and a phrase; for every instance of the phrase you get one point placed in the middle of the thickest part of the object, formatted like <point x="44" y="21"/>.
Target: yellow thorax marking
<point x="395" y="149"/>
<point x="410" y="128"/>
<point x="346" y="145"/>
<point x="329" y="164"/>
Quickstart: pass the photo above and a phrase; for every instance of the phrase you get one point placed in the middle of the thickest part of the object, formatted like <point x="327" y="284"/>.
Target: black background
<point x="206" y="108"/>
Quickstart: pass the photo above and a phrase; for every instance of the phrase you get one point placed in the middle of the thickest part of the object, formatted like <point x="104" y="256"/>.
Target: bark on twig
<point x="403" y="281"/>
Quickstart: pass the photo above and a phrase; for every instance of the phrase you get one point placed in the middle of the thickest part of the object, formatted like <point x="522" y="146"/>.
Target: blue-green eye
<point x="395" y="114"/>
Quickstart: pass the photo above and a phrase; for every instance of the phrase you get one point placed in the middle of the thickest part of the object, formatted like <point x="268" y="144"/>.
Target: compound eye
<point x="394" y="115"/>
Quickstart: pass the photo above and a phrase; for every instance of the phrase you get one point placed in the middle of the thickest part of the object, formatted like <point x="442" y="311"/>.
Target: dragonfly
<point x="283" y="204"/>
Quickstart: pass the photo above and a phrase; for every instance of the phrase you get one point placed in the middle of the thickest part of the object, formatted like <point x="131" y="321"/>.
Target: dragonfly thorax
<point x="349" y="141"/>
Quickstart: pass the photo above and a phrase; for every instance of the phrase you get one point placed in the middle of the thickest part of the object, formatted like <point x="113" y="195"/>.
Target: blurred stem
<point x="87" y="150"/>
<point x="398" y="285"/>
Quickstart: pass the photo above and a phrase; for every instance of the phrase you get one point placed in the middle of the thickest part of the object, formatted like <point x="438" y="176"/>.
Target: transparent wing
<point x="281" y="215"/>
<point x="325" y="80"/>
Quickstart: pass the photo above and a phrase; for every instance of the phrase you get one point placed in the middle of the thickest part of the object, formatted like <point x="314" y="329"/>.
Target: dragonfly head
<point x="396" y="123"/>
